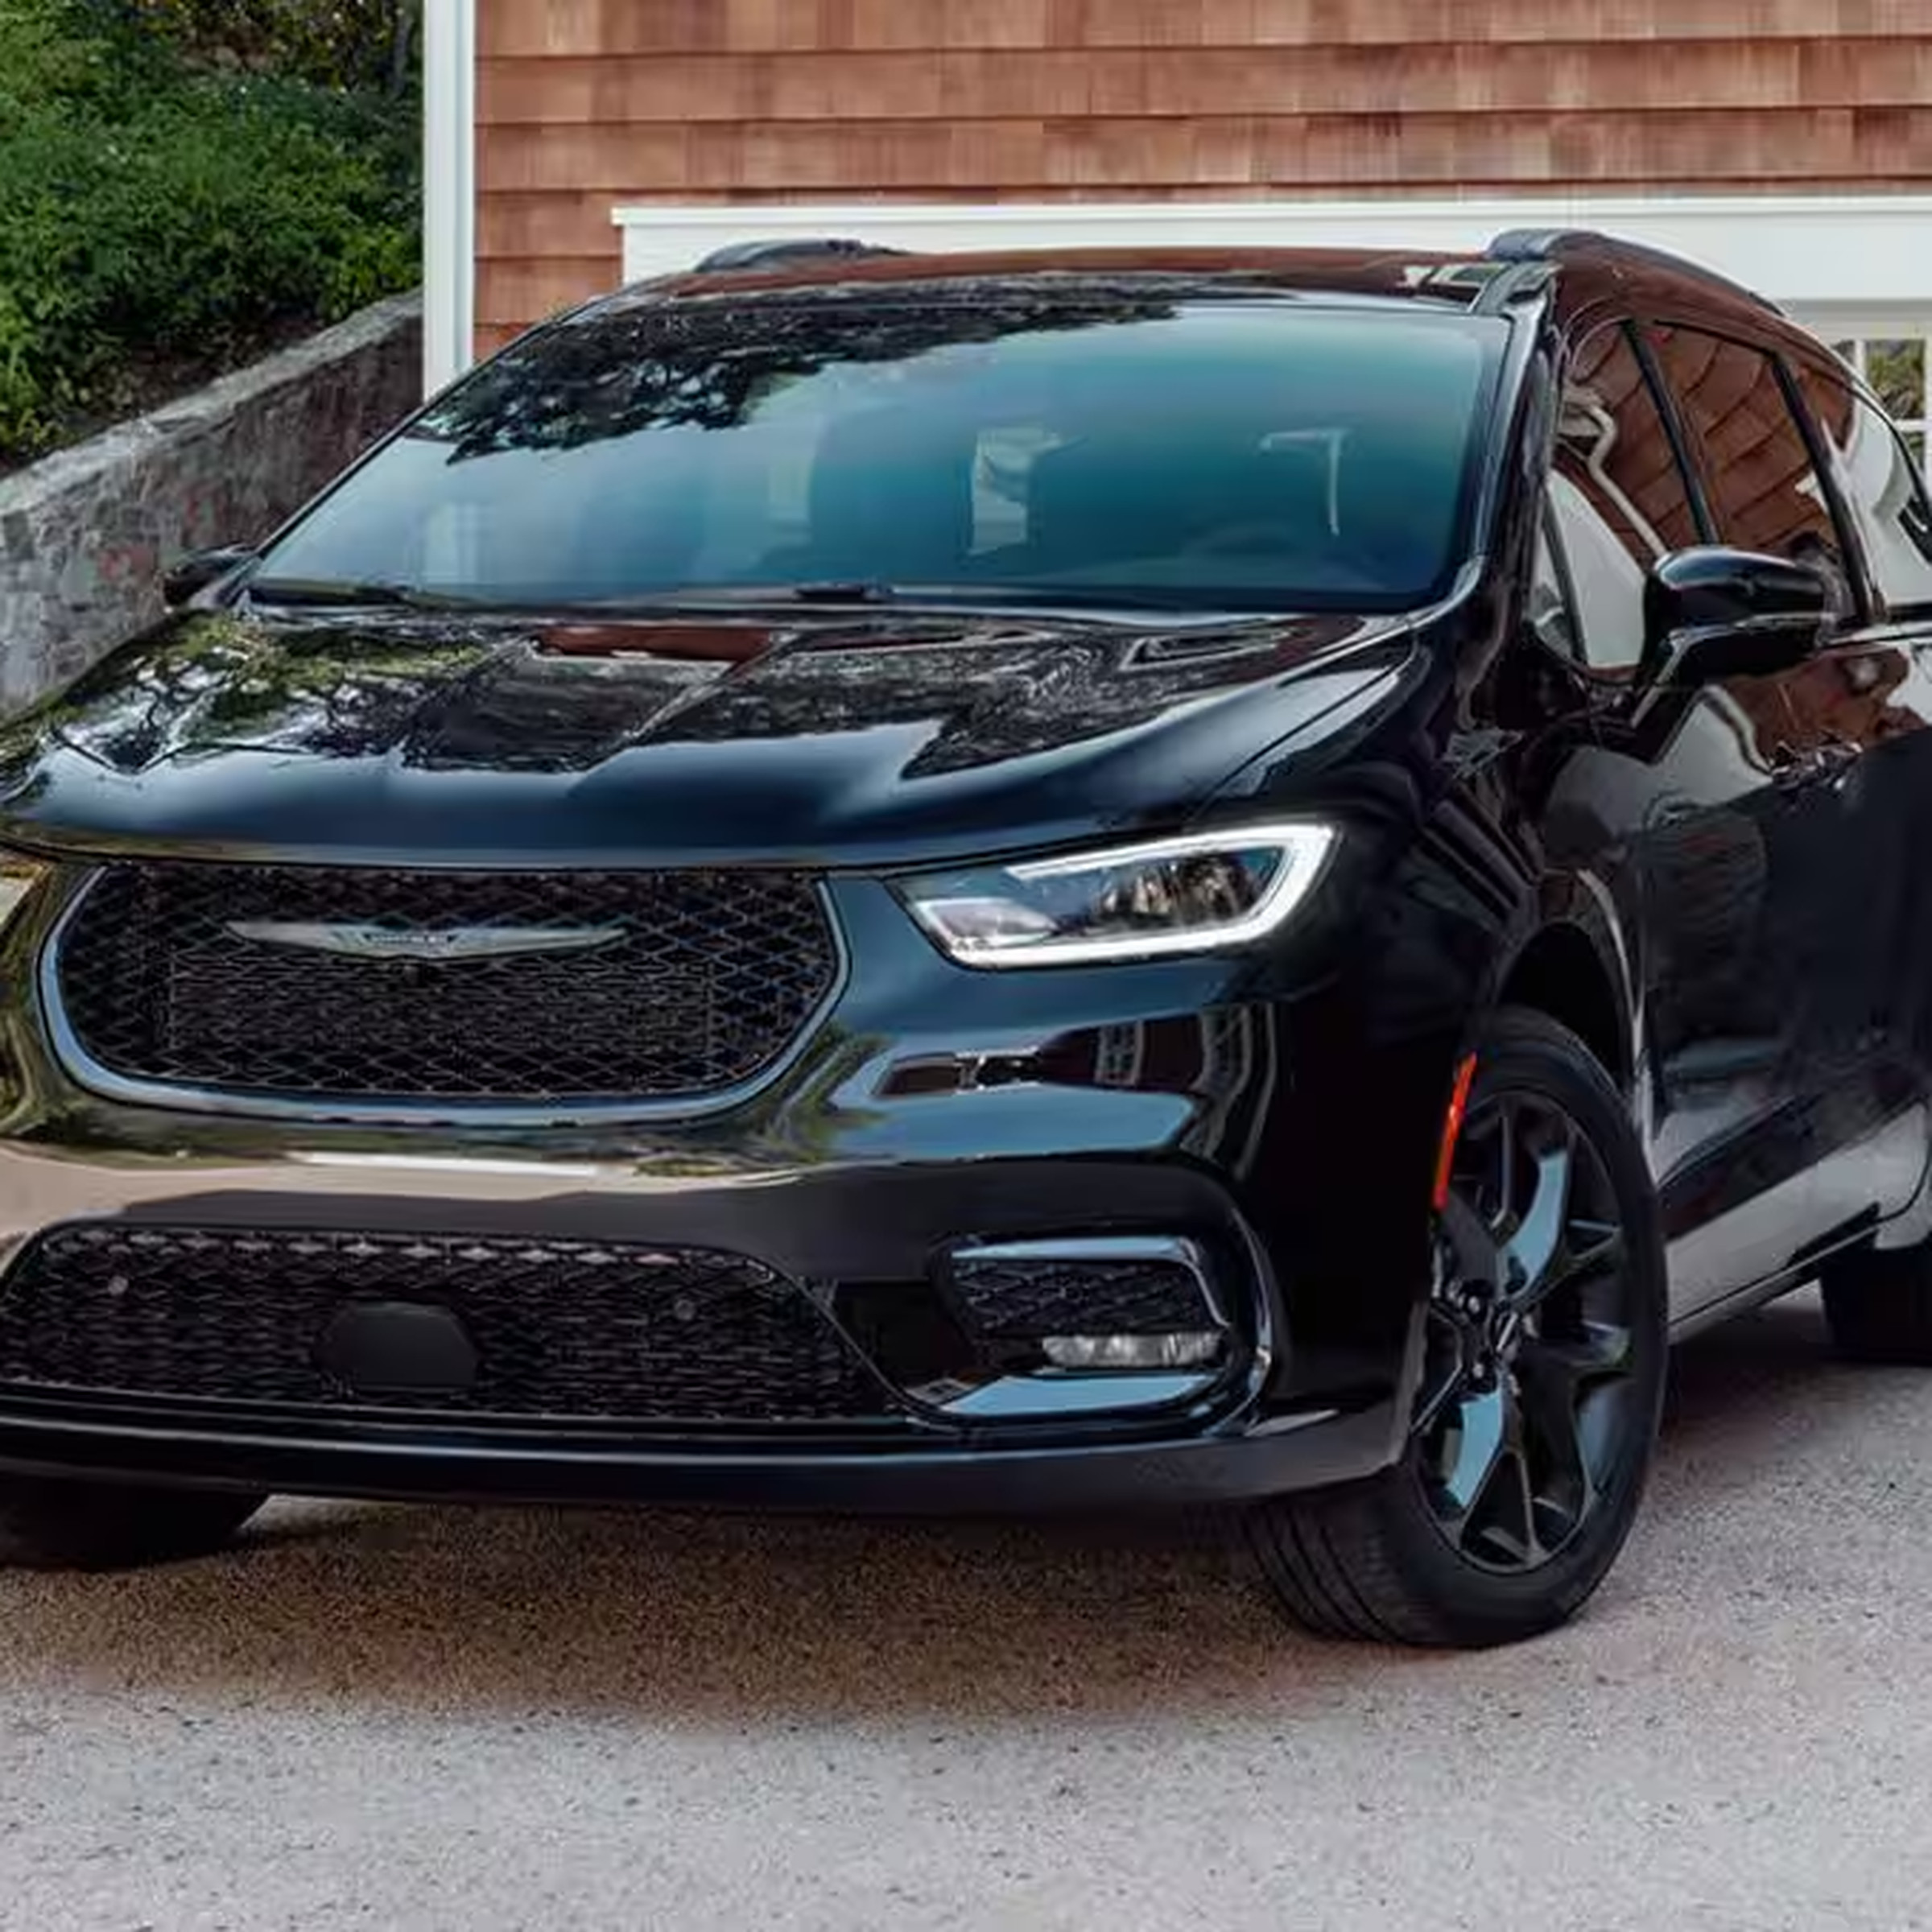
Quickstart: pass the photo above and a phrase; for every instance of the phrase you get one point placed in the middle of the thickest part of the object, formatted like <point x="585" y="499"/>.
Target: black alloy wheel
<point x="1543" y="1337"/>
<point x="1530" y="1377"/>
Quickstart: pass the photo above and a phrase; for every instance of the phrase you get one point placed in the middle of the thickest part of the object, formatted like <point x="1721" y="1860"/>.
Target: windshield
<point x="1129" y="448"/>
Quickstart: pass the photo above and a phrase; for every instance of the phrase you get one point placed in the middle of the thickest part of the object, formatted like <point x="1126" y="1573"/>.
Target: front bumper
<point x="854" y="1237"/>
<point x="1167" y="1101"/>
<point x="416" y="1466"/>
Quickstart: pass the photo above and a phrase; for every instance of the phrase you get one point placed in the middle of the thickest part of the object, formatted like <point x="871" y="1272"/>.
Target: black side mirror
<point x="185" y="580"/>
<point x="1712" y="613"/>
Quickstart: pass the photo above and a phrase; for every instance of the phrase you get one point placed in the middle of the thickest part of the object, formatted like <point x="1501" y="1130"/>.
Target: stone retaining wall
<point x="84" y="534"/>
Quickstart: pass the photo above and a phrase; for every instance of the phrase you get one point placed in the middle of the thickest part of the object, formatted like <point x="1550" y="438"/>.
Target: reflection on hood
<point x="456" y="695"/>
<point x="325" y="686"/>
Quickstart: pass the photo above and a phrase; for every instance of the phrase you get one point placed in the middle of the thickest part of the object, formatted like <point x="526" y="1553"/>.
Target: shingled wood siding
<point x="584" y="104"/>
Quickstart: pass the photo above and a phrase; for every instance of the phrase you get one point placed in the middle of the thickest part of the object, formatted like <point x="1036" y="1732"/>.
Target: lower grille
<point x="560" y="1330"/>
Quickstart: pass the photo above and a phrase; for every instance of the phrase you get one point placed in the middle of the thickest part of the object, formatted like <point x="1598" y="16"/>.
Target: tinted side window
<point x="1882" y="485"/>
<point x="1758" y="477"/>
<point x="1613" y="446"/>
<point x="1619" y="496"/>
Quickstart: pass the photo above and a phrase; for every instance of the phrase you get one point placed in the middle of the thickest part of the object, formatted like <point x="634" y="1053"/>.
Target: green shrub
<point x="48" y="51"/>
<point x="357" y="44"/>
<point x="152" y="209"/>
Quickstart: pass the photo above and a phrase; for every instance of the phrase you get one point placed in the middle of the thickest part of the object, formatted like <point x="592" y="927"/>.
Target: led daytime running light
<point x="988" y="917"/>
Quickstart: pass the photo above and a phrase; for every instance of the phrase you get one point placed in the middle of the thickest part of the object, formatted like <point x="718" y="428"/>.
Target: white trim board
<point x="1815" y="255"/>
<point x="449" y="189"/>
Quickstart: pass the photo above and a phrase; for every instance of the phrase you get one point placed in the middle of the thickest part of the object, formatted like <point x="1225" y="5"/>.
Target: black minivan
<point x="861" y="880"/>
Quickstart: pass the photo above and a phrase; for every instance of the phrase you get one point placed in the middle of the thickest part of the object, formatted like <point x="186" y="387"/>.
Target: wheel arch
<point x="1572" y="968"/>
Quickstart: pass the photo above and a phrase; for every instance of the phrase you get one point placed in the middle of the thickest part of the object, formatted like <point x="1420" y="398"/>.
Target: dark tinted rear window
<point x="1883" y="488"/>
<point x="1219" y="453"/>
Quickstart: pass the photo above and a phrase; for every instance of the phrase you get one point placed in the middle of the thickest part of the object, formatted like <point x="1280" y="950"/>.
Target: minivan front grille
<point x="397" y="987"/>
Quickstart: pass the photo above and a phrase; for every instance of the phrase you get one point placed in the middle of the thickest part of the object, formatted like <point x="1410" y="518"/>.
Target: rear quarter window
<point x="1882" y="487"/>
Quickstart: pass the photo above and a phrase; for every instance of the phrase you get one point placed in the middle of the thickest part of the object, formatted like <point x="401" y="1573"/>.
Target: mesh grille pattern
<point x="1013" y="1300"/>
<point x="562" y="1329"/>
<point x="701" y="981"/>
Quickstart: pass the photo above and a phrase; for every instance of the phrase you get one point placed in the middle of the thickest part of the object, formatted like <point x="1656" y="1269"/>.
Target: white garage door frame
<point x="1832" y="260"/>
<point x="1823" y="258"/>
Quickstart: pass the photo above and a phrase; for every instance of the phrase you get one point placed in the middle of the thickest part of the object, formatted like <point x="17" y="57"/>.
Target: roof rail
<point x="744" y="256"/>
<point x="1547" y="243"/>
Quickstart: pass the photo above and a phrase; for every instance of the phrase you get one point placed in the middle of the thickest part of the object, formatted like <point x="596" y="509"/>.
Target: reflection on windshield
<point x="711" y="365"/>
<point x="1112" y="445"/>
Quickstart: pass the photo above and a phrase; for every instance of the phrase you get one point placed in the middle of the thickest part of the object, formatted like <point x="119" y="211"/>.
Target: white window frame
<point x="449" y="190"/>
<point x="1858" y="333"/>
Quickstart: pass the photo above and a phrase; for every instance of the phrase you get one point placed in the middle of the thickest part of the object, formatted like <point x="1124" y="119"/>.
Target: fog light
<point x="1199" y="1349"/>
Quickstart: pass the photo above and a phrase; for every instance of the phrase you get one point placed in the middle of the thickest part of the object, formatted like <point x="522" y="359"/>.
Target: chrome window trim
<point x="323" y="1111"/>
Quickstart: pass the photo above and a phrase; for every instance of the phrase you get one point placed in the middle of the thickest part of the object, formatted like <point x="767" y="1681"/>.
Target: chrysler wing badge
<point x="429" y="946"/>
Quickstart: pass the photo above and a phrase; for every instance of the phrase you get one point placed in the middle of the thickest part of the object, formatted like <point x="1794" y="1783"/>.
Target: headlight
<point x="1192" y="895"/>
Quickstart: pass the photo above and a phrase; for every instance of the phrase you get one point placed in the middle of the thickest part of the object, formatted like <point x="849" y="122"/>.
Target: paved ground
<point x="403" y="1719"/>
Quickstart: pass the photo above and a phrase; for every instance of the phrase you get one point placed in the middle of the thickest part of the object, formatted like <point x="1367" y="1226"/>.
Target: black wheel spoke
<point x="1442" y="1376"/>
<point x="1539" y="1237"/>
<point x="1498" y="1132"/>
<point x="1590" y="1250"/>
<point x="1476" y="1257"/>
<point x="1504" y="1523"/>
<point x="1602" y="1351"/>
<point x="1511" y="1528"/>
<point x="1565" y="1476"/>
<point x="1480" y="1432"/>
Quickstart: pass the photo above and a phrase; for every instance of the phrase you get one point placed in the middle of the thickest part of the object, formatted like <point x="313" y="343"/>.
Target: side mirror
<point x="1711" y="613"/>
<point x="185" y="580"/>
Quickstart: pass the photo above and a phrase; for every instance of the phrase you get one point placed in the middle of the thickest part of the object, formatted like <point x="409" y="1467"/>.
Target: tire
<point x="1457" y="1544"/>
<point x="1878" y="1305"/>
<point x="76" y="1523"/>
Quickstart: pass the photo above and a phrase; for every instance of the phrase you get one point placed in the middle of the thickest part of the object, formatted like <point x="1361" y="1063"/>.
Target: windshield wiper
<point x="743" y="596"/>
<point x="844" y="591"/>
<point x="827" y="593"/>
<point x="866" y="594"/>
<point x="861" y="591"/>
<point x="1130" y="603"/>
<point x="348" y="594"/>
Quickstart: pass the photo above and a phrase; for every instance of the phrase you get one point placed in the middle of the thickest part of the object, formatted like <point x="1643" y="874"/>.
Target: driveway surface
<point x="395" y="1719"/>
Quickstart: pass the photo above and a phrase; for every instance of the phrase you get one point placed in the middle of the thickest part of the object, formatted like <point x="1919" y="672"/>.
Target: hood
<point x="896" y="738"/>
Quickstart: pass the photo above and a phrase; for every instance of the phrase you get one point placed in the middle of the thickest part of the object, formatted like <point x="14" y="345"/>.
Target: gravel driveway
<point x="397" y="1719"/>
